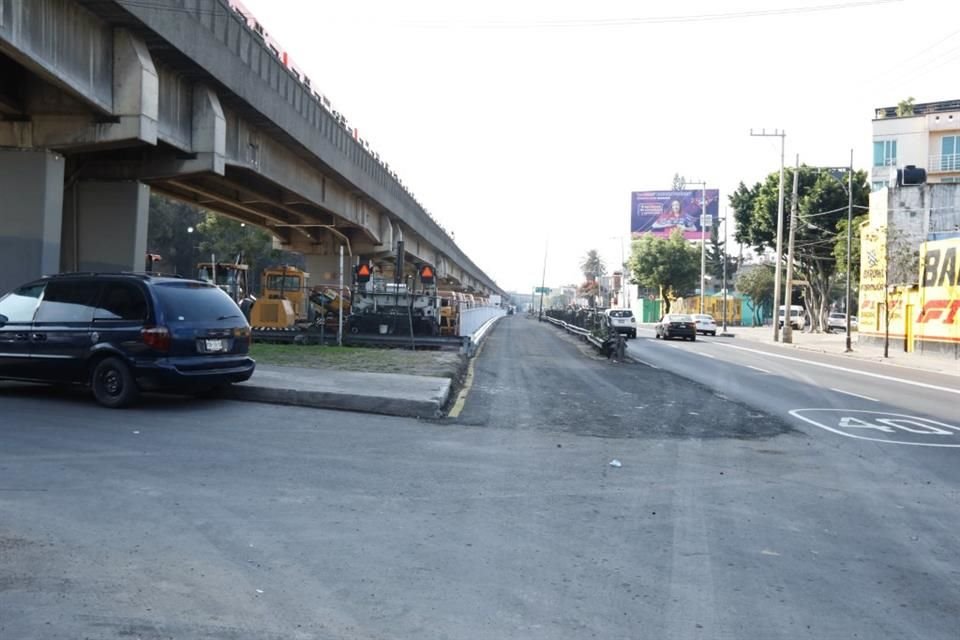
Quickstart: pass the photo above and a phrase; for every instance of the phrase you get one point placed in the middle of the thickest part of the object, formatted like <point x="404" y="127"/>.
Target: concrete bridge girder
<point x="57" y="121"/>
<point x="123" y="116"/>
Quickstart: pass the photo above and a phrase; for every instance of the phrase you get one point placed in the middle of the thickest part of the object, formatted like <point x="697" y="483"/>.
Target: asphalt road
<point x="782" y="379"/>
<point x="185" y="519"/>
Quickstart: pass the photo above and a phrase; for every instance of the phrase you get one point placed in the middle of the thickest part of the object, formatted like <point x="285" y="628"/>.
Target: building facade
<point x="909" y="275"/>
<point x="926" y="135"/>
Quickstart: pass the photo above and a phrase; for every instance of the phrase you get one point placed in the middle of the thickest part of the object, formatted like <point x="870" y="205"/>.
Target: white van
<point x="798" y="317"/>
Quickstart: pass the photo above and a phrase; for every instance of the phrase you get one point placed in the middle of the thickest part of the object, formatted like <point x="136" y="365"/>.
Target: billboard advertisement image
<point x="660" y="212"/>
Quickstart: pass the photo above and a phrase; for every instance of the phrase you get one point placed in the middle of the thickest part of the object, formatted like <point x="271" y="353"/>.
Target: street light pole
<point x="849" y="242"/>
<point x="776" y="278"/>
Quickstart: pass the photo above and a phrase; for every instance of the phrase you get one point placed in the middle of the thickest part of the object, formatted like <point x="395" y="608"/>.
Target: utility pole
<point x="849" y="242"/>
<point x="788" y="294"/>
<point x="340" y="303"/>
<point x="776" y="278"/>
<point x="724" y="258"/>
<point x="543" y="281"/>
<point x="703" y="243"/>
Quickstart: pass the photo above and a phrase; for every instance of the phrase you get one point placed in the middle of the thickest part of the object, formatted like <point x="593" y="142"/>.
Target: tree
<point x="717" y="254"/>
<point x="169" y="235"/>
<point x="757" y="283"/>
<point x="905" y="107"/>
<point x="679" y="182"/>
<point x="184" y="235"/>
<point x="589" y="290"/>
<point x="822" y="204"/>
<point x="592" y="265"/>
<point x="671" y="265"/>
<point x="840" y="255"/>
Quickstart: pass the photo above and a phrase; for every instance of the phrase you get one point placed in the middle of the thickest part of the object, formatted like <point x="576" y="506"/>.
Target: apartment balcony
<point x="944" y="163"/>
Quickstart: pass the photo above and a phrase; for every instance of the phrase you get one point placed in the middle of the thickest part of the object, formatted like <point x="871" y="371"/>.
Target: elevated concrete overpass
<point x="103" y="100"/>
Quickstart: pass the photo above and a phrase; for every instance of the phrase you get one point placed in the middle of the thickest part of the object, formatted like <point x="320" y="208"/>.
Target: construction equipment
<point x="283" y="299"/>
<point x="449" y="313"/>
<point x="327" y="302"/>
<point x="394" y="308"/>
<point x="229" y="276"/>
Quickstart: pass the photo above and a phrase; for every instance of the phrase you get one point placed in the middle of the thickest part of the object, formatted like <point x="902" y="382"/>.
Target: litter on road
<point x="615" y="463"/>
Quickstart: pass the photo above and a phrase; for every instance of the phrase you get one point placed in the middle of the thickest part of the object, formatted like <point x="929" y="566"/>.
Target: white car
<point x="623" y="321"/>
<point x="705" y="324"/>
<point x="798" y="319"/>
<point x="838" y="322"/>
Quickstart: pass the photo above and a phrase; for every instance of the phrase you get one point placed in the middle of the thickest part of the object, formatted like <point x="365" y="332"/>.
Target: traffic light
<point x="363" y="273"/>
<point x="427" y="275"/>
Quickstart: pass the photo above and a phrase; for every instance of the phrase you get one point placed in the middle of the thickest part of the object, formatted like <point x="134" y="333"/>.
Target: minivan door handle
<point x="20" y="336"/>
<point x="39" y="337"/>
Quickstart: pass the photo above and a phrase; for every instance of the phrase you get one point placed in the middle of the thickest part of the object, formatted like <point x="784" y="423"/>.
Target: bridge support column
<point x="105" y="226"/>
<point x="31" y="182"/>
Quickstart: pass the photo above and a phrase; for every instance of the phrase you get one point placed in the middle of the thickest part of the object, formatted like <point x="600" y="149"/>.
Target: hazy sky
<point x="519" y="123"/>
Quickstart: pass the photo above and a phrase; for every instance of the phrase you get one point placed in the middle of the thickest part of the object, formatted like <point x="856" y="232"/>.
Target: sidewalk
<point x="835" y="343"/>
<point x="391" y="394"/>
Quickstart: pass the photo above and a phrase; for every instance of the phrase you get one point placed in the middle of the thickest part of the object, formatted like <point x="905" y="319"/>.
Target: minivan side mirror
<point x="3" y="319"/>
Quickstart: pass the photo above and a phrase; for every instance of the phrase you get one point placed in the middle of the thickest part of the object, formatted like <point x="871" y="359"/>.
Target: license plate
<point x="213" y="346"/>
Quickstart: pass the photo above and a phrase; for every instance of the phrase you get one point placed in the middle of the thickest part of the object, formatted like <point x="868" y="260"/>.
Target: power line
<point x="646" y="20"/>
<point x="160" y="5"/>
<point x="899" y="64"/>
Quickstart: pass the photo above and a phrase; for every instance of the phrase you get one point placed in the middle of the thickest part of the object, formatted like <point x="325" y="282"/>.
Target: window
<point x="885" y="153"/>
<point x="192" y="302"/>
<point x="950" y="153"/>
<point x="68" y="301"/>
<point x="877" y="185"/>
<point x="121" y="301"/>
<point x="18" y="306"/>
<point x="289" y="283"/>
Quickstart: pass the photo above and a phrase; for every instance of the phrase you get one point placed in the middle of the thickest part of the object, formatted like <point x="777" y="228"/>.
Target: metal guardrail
<point x="599" y="343"/>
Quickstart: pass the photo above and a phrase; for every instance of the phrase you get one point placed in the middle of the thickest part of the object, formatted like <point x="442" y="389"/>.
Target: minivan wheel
<point x="113" y="384"/>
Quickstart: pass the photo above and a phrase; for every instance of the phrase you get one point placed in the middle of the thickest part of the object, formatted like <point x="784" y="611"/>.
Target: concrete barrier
<point x="471" y="320"/>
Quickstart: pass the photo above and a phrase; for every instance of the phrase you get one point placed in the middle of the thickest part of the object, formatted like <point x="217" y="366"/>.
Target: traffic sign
<point x="542" y="290"/>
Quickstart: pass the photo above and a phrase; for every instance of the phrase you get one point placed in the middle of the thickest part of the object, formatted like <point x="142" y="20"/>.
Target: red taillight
<point x="244" y="334"/>
<point x="157" y="338"/>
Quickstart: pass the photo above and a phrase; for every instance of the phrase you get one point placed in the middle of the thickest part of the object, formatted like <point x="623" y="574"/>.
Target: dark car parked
<point x="677" y="325"/>
<point x="123" y="333"/>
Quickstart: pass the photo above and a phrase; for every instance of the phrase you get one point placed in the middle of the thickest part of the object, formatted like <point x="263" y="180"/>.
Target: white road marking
<point x="750" y="366"/>
<point x="847" y="420"/>
<point x="855" y="395"/>
<point x="705" y="355"/>
<point x="835" y="367"/>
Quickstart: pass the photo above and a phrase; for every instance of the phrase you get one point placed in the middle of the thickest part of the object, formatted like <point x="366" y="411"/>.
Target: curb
<point x="388" y="406"/>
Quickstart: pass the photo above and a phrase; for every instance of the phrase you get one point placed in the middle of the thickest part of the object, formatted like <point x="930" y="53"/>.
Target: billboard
<point x="660" y="212"/>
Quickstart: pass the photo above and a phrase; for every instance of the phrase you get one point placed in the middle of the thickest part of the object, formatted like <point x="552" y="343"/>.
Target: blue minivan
<point x="122" y="333"/>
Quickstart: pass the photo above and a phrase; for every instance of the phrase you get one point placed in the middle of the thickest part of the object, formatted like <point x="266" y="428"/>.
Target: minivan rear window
<point x="621" y="313"/>
<point x="195" y="302"/>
